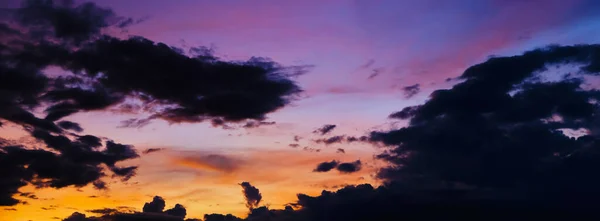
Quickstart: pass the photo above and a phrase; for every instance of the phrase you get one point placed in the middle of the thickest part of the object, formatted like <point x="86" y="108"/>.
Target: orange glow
<point x="202" y="182"/>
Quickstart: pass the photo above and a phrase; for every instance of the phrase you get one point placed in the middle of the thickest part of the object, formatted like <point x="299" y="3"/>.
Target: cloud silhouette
<point x="157" y="205"/>
<point x="330" y="140"/>
<point x="502" y="127"/>
<point x="325" y="129"/>
<point x="103" y="72"/>
<point x="251" y="194"/>
<point x="68" y="125"/>
<point x="326" y="166"/>
<point x="349" y="167"/>
<point x="152" y="211"/>
<point x="412" y="90"/>
<point x="152" y="150"/>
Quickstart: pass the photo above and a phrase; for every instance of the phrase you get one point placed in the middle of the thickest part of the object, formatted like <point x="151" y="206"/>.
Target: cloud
<point x="251" y="194"/>
<point x="325" y="129"/>
<point x="221" y="217"/>
<point x="135" y="123"/>
<point x="104" y="211"/>
<point x="297" y="138"/>
<point x="351" y="139"/>
<point x="502" y="127"/>
<point x="255" y="124"/>
<point x="177" y="211"/>
<point x="331" y="140"/>
<point x="68" y="125"/>
<point x="101" y="73"/>
<point x="64" y="19"/>
<point x="210" y="162"/>
<point x="294" y="145"/>
<point x="78" y="164"/>
<point x="28" y="195"/>
<point x="151" y="211"/>
<point x="340" y="150"/>
<point x="152" y="150"/>
<point x="375" y="73"/>
<point x="412" y="90"/>
<point x="326" y="166"/>
<point x="349" y="167"/>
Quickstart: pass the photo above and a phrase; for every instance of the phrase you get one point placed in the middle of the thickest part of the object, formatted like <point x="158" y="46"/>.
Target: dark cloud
<point x="294" y="145"/>
<point x="349" y="167"/>
<point x="153" y="211"/>
<point x="340" y="150"/>
<point x="331" y="140"/>
<point x="326" y="166"/>
<point x="251" y="194"/>
<point x="99" y="184"/>
<point x="325" y="129"/>
<point x="69" y="125"/>
<point x="104" y="211"/>
<point x="502" y="128"/>
<point x="152" y="150"/>
<point x="351" y="139"/>
<point x="76" y="164"/>
<point x="101" y="73"/>
<point x="156" y="206"/>
<point x="220" y="217"/>
<point x="29" y="195"/>
<point x="342" y="139"/>
<point x="255" y="124"/>
<point x="64" y="19"/>
<point x="412" y="90"/>
<point x="201" y="88"/>
<point x="177" y="211"/>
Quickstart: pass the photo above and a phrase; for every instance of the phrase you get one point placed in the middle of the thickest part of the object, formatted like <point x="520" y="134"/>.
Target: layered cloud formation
<point x="128" y="75"/>
<point x="517" y="138"/>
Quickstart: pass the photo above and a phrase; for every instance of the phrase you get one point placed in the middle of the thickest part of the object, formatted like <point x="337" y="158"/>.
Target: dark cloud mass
<point x="153" y="211"/>
<point x="492" y="147"/>
<point x="349" y="167"/>
<point x="342" y="139"/>
<point x="501" y="128"/>
<point x="326" y="166"/>
<point x="157" y="205"/>
<point x="251" y="194"/>
<point x="325" y="129"/>
<point x="102" y="72"/>
<point x="68" y="125"/>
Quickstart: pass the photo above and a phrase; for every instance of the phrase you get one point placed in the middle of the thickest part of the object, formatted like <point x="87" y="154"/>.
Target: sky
<point x="361" y="61"/>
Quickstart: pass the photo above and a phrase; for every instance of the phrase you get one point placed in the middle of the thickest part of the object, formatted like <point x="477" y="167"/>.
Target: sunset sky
<point x="363" y="60"/>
